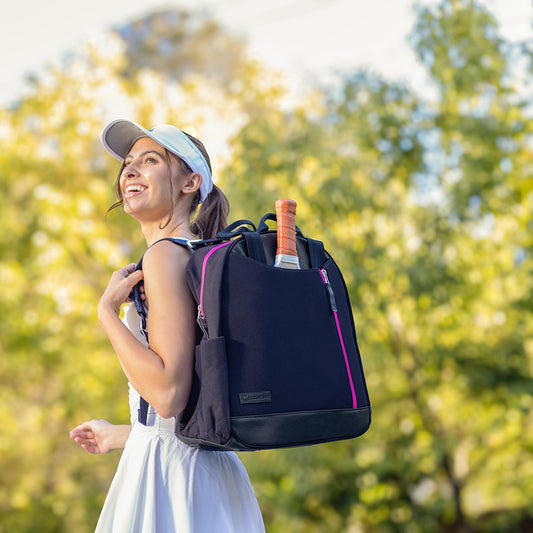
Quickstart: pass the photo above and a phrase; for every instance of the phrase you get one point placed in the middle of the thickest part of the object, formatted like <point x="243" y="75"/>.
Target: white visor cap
<point x="120" y="135"/>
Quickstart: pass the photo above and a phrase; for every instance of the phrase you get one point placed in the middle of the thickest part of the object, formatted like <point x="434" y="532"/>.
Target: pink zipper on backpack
<point x="201" y="316"/>
<point x="333" y="305"/>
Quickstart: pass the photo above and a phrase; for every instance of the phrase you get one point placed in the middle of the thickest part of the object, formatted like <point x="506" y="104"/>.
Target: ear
<point x="192" y="183"/>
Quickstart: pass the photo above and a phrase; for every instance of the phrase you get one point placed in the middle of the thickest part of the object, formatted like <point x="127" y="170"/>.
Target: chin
<point x="130" y="211"/>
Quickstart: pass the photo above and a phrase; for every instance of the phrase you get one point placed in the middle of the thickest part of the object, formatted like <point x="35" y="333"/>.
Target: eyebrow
<point x="146" y="152"/>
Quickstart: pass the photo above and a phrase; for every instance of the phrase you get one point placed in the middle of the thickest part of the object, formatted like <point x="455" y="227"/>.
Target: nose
<point x="130" y="170"/>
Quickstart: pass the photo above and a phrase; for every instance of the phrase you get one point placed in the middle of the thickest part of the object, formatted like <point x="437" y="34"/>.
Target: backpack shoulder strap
<point x="317" y="254"/>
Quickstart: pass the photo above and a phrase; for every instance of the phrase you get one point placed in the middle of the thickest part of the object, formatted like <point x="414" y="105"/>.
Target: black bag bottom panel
<point x="299" y="429"/>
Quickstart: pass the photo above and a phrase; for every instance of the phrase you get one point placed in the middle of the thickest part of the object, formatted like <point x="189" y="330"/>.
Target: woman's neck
<point x="154" y="232"/>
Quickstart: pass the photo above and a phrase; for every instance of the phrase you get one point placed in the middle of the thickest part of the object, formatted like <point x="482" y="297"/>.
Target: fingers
<point x="90" y="449"/>
<point x="119" y="287"/>
<point x="142" y="294"/>
<point x="128" y="272"/>
<point x="81" y="434"/>
<point x="135" y="277"/>
<point x="85" y="438"/>
<point x="131" y="278"/>
<point x="88" y="446"/>
<point x="90" y="435"/>
<point x="85" y="431"/>
<point x="78" y="430"/>
<point x="128" y="269"/>
<point x="84" y="442"/>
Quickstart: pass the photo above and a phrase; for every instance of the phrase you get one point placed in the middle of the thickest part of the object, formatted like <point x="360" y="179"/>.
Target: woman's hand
<point x="118" y="289"/>
<point x="143" y="295"/>
<point x="100" y="436"/>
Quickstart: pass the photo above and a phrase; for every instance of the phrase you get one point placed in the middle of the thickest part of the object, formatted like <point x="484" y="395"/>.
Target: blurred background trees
<point x="179" y="44"/>
<point x="426" y="205"/>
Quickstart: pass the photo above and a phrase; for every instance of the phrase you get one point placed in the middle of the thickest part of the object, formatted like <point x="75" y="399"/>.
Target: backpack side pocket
<point x="208" y="418"/>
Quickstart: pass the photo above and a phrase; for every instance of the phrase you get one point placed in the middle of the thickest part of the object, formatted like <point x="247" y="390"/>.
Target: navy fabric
<point x="278" y="346"/>
<point x="293" y="324"/>
<point x="209" y="420"/>
<point x="254" y="245"/>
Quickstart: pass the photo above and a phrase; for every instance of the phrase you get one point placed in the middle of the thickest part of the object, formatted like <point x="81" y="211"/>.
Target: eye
<point x="150" y="160"/>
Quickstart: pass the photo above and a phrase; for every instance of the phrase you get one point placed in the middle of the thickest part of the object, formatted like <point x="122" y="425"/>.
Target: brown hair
<point x="209" y="217"/>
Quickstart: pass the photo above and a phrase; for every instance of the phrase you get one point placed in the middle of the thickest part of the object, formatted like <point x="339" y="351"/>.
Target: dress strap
<point x="143" y="411"/>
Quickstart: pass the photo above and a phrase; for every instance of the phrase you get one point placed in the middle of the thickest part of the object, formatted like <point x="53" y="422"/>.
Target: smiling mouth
<point x="134" y="188"/>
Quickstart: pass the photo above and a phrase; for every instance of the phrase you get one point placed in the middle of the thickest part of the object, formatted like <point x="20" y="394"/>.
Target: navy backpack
<point x="278" y="363"/>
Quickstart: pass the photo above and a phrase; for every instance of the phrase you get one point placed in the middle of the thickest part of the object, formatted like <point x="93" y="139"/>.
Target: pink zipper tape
<point x="204" y="265"/>
<point x="354" y="397"/>
<point x="323" y="275"/>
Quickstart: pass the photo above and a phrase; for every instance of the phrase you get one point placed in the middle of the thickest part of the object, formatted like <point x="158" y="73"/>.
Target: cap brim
<point x="119" y="136"/>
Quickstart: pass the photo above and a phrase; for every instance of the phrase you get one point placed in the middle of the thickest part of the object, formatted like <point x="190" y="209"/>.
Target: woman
<point x="161" y="484"/>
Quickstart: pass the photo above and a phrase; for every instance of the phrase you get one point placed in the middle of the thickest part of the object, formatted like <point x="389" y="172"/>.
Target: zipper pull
<point x="200" y="318"/>
<point x="325" y="279"/>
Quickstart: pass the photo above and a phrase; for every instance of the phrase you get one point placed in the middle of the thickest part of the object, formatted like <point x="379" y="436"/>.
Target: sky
<point x="310" y="40"/>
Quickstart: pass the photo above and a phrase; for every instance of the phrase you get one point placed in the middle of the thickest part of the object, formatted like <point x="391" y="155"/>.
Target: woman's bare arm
<point x="162" y="374"/>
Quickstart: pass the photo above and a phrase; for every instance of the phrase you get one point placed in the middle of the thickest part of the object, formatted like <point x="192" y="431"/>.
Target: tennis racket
<point x="286" y="254"/>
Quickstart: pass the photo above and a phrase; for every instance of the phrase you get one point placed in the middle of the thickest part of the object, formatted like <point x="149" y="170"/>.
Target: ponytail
<point x="212" y="214"/>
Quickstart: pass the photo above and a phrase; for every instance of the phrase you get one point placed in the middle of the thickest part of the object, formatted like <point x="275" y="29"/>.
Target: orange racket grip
<point x="286" y="228"/>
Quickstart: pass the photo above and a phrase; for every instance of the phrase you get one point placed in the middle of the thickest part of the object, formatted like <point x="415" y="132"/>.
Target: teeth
<point x="132" y="188"/>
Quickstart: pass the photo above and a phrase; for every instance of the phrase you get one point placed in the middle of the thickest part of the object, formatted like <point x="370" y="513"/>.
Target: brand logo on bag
<point x="255" y="397"/>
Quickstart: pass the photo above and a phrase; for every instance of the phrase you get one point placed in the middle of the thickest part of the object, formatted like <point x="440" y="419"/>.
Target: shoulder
<point x="166" y="251"/>
<point x="165" y="257"/>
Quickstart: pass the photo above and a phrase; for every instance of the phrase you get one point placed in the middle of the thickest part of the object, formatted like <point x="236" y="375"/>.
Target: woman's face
<point x="145" y="181"/>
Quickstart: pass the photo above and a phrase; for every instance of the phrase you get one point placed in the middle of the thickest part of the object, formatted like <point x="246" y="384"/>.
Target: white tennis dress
<point x="165" y="486"/>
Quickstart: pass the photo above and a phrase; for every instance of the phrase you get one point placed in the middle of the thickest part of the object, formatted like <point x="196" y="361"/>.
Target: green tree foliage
<point x="181" y="43"/>
<point x="55" y="253"/>
<point x="427" y="207"/>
